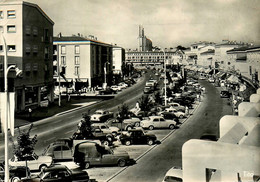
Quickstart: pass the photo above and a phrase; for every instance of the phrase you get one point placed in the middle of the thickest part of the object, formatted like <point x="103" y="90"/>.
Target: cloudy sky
<point x="167" y="23"/>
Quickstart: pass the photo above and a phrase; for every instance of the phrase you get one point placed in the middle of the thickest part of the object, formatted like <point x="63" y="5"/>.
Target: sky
<point x="168" y="23"/>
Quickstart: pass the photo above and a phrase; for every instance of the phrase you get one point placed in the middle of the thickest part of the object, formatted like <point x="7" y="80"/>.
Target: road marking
<point x="52" y="138"/>
<point x="69" y="131"/>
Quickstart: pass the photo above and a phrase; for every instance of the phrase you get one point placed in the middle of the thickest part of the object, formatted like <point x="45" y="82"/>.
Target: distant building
<point x="206" y="58"/>
<point x="83" y="62"/>
<point x="28" y="33"/>
<point x="145" y="44"/>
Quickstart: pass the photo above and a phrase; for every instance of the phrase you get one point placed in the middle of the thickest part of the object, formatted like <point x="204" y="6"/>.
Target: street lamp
<point x="18" y="73"/>
<point x="105" y="72"/>
<point x="165" y="94"/>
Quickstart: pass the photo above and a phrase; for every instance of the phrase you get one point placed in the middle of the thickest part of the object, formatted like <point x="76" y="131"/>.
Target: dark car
<point x="137" y="136"/>
<point x="107" y="91"/>
<point x="225" y="94"/>
<point x="60" y="173"/>
<point x="16" y="173"/>
<point x="170" y="115"/>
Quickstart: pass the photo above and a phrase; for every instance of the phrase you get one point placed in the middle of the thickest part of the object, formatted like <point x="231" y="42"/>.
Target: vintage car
<point x="101" y="115"/>
<point x="105" y="128"/>
<point x="127" y="124"/>
<point x="177" y="106"/>
<point x="137" y="136"/>
<point x="88" y="154"/>
<point x="157" y="122"/>
<point x="179" y="114"/>
<point x="60" y="173"/>
<point x="34" y="162"/>
<point x="173" y="174"/>
<point x="16" y="173"/>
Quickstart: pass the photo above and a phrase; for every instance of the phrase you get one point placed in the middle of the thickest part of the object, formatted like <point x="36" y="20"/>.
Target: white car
<point x="157" y="122"/>
<point x="101" y="115"/>
<point x="105" y="128"/>
<point x="116" y="88"/>
<point x="177" y="106"/>
<point x="179" y="114"/>
<point x="122" y="85"/>
<point x="34" y="162"/>
<point x="174" y="174"/>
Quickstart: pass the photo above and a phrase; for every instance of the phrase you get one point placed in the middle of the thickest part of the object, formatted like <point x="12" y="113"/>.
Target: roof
<point x="239" y="49"/>
<point x="55" y="167"/>
<point x="211" y="51"/>
<point x="21" y="2"/>
<point x="76" y="39"/>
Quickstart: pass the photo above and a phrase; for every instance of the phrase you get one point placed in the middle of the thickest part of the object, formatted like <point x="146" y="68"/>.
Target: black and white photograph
<point x="130" y="90"/>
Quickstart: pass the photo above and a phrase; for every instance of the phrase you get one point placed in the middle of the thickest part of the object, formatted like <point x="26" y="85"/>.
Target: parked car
<point x="173" y="174"/>
<point x="60" y="173"/>
<point x="177" y="106"/>
<point x="157" y="122"/>
<point x="101" y="115"/>
<point x="211" y="80"/>
<point x="179" y="114"/>
<point x="225" y="94"/>
<point x="127" y="124"/>
<point x="88" y="154"/>
<point x="107" y="91"/>
<point x="137" y="136"/>
<point x="16" y="173"/>
<point x="105" y="128"/>
<point x="116" y="88"/>
<point x="122" y="85"/>
<point x="59" y="150"/>
<point x="34" y="162"/>
<point x="170" y="116"/>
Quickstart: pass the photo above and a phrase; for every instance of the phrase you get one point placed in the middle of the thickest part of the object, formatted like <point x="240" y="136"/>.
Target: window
<point x="11" y="48"/>
<point x="250" y="70"/>
<point x="76" y="70"/>
<point x="76" y="60"/>
<point x="35" y="49"/>
<point x="28" y="49"/>
<point x="63" y="70"/>
<point x="11" y="29"/>
<point x="11" y="14"/>
<point x="35" y="31"/>
<point x="63" y="60"/>
<point x="63" y="50"/>
<point x="46" y="53"/>
<point x="2" y="29"/>
<point x="1" y="47"/>
<point x="27" y="30"/>
<point x="1" y="14"/>
<point x="35" y="66"/>
<point x="76" y="49"/>
<point x="46" y="35"/>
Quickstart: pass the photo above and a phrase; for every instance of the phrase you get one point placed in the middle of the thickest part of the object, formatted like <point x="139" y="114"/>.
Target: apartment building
<point x="27" y="31"/>
<point x="82" y="61"/>
<point x="118" y="59"/>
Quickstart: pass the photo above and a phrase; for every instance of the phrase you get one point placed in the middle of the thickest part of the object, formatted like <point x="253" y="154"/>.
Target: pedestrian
<point x="30" y="113"/>
<point x="187" y="110"/>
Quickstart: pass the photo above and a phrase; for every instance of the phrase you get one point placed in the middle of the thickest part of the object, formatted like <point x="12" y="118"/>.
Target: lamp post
<point x="165" y="94"/>
<point x="105" y="72"/>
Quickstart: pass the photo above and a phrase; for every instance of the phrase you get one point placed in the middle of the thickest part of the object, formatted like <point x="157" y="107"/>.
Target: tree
<point x="123" y="113"/>
<point x="25" y="144"/>
<point x="158" y="98"/>
<point x="85" y="127"/>
<point x="145" y="104"/>
<point x="179" y="47"/>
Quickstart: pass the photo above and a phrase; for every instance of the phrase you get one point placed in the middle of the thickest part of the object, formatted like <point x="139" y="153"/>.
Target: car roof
<point x="155" y="117"/>
<point x="175" y="171"/>
<point x="55" y="167"/>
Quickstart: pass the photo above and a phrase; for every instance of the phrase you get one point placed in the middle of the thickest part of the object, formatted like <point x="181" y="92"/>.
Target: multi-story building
<point x="118" y="59"/>
<point x="27" y="31"/>
<point x="206" y="58"/>
<point x="145" y="44"/>
<point x="82" y="61"/>
<point x="220" y="59"/>
<point x="139" y="58"/>
<point x="253" y="60"/>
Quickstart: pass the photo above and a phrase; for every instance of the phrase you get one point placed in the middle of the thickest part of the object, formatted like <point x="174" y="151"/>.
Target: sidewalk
<point x="24" y="118"/>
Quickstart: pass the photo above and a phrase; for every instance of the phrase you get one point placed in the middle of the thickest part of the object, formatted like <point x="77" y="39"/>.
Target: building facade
<point x="82" y="61"/>
<point x="28" y="35"/>
<point x="118" y="59"/>
<point x="145" y="44"/>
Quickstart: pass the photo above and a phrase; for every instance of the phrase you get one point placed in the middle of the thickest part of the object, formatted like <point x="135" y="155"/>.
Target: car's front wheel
<point x="128" y="142"/>
<point x="171" y="126"/>
<point x="15" y="179"/>
<point x="150" y="142"/>
<point x="85" y="165"/>
<point x="137" y="124"/>
<point x="128" y="128"/>
<point x="181" y="116"/>
<point x="121" y="163"/>
<point x="151" y="127"/>
<point x="42" y="167"/>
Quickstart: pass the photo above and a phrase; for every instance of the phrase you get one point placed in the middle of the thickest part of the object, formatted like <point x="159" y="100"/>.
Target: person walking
<point x="30" y="114"/>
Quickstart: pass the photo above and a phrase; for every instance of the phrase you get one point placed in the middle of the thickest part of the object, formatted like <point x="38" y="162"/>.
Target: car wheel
<point x="114" y="133"/>
<point x="171" y="126"/>
<point x="137" y="124"/>
<point x="128" y="142"/>
<point x="151" y="127"/>
<point x="42" y="167"/>
<point x="181" y="116"/>
<point x="128" y="128"/>
<point x="150" y="142"/>
<point x="106" y="143"/>
<point x="121" y="163"/>
<point x="15" y="179"/>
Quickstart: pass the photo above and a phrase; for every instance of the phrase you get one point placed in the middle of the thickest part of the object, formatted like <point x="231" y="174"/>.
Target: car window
<point x="65" y="148"/>
<point x="103" y="127"/>
<point x="58" y="148"/>
<point x="156" y="120"/>
<point x="162" y="119"/>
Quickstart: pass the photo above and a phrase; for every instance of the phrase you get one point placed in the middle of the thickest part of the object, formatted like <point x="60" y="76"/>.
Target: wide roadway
<point x="154" y="165"/>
